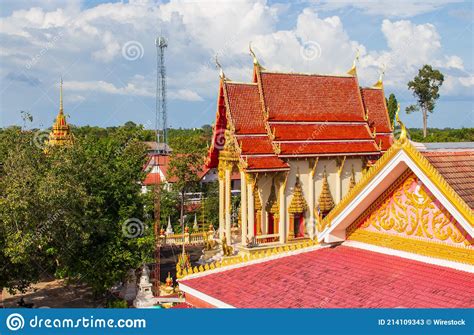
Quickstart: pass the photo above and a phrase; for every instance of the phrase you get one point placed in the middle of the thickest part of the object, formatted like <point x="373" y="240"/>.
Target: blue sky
<point x="87" y="42"/>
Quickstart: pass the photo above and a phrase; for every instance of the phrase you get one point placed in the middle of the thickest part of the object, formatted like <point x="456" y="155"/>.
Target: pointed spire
<point x="61" y="109"/>
<point x="379" y="83"/>
<point x="298" y="203"/>
<point x="195" y="225"/>
<point x="353" y="70"/>
<point x="326" y="203"/>
<point x="272" y="202"/>
<point x="221" y="71"/>
<point x="352" y="181"/>
<point x="60" y="134"/>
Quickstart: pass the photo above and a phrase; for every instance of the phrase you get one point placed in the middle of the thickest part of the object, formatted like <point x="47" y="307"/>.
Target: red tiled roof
<point x="386" y="140"/>
<point x="255" y="145"/>
<point x="152" y="179"/>
<point x="325" y="131"/>
<point x="244" y="103"/>
<point x="348" y="147"/>
<point x="266" y="162"/>
<point x="457" y="168"/>
<point x="341" y="277"/>
<point x="374" y="101"/>
<point x="299" y="97"/>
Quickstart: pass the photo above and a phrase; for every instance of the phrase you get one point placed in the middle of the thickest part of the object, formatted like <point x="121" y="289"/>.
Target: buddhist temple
<point x="305" y="137"/>
<point x="364" y="219"/>
<point x="61" y="134"/>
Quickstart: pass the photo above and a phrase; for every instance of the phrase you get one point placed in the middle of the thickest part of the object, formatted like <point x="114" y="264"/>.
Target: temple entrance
<point x="299" y="225"/>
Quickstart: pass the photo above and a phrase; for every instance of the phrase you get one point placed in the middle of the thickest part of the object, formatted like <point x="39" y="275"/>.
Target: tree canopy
<point x="425" y="87"/>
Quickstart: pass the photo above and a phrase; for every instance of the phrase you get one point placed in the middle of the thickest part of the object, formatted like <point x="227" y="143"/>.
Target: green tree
<point x="392" y="105"/>
<point x="185" y="167"/>
<point x="425" y="87"/>
<point x="69" y="213"/>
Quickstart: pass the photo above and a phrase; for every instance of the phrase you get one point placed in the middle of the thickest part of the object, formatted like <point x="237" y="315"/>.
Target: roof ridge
<point x="342" y="75"/>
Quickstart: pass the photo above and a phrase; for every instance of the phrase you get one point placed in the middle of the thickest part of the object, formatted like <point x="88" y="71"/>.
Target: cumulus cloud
<point x="86" y="45"/>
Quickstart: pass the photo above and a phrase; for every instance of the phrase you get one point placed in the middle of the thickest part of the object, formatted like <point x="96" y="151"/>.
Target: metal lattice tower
<point x="161" y="126"/>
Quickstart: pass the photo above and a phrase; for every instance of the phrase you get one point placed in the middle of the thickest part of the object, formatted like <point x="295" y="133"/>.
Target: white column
<point x="311" y="205"/>
<point x="221" y="206"/>
<point x="228" y="207"/>
<point x="251" y="210"/>
<point x="282" y="216"/>
<point x="243" y="206"/>
<point x="338" y="186"/>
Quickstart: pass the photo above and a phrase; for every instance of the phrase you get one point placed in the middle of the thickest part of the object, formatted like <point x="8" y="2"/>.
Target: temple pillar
<point x="243" y="206"/>
<point x="221" y="202"/>
<point x="250" y="209"/>
<point x="228" y="203"/>
<point x="291" y="228"/>
<point x="311" y="205"/>
<point x="282" y="216"/>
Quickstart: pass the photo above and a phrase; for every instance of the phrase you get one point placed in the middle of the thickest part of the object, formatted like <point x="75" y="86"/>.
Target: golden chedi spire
<point x="326" y="203"/>
<point x="298" y="203"/>
<point x="60" y="135"/>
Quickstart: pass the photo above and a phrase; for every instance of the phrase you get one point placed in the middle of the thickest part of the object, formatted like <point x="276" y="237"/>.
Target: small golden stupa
<point x="61" y="134"/>
<point x="326" y="203"/>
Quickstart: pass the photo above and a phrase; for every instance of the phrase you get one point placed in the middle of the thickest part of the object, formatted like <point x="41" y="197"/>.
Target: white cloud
<point x="88" y="51"/>
<point x="388" y="8"/>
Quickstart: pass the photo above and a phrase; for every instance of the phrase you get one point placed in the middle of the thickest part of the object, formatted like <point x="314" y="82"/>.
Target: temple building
<point x="299" y="142"/>
<point x="61" y="134"/>
<point x="343" y="216"/>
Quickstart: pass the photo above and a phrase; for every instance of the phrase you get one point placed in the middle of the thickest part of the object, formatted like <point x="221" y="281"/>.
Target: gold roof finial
<point x="403" y="132"/>
<point x="353" y="70"/>
<point x="379" y="83"/>
<point x="255" y="60"/>
<point x="219" y="66"/>
<point x="254" y="57"/>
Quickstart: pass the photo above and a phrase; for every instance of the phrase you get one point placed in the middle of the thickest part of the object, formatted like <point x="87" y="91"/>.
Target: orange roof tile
<point x="341" y="277"/>
<point x="457" y="168"/>
<point x="374" y="102"/>
<point x="299" y="97"/>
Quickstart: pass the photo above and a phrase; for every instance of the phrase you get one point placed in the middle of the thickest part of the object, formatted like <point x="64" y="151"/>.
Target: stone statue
<point x="209" y="242"/>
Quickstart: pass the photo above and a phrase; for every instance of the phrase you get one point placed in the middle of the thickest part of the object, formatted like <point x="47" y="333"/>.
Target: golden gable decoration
<point x="326" y="203"/>
<point x="298" y="203"/>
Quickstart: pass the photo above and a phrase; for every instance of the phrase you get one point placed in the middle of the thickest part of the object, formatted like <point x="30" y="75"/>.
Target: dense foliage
<point x="77" y="213"/>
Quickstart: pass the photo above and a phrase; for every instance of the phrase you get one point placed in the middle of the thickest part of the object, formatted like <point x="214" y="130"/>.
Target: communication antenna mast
<point x="161" y="126"/>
